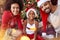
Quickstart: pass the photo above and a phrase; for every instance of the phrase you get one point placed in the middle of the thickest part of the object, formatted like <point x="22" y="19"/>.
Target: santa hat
<point x="30" y="10"/>
<point x="41" y="1"/>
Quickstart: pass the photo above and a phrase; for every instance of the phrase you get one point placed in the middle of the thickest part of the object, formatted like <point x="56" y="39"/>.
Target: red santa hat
<point x="41" y="2"/>
<point x="31" y="9"/>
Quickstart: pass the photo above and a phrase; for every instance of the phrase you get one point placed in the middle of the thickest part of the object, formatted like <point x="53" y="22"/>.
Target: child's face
<point x="31" y="15"/>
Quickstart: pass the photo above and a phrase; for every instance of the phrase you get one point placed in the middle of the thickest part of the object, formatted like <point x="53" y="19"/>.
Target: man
<point x="53" y="10"/>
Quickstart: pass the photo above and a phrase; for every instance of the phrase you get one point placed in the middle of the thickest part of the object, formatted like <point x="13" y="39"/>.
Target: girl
<point x="31" y="25"/>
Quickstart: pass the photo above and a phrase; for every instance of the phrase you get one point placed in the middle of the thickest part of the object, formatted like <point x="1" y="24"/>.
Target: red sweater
<point x="7" y="16"/>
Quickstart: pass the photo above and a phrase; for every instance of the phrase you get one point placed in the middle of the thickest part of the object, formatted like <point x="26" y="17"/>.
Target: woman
<point x="11" y="15"/>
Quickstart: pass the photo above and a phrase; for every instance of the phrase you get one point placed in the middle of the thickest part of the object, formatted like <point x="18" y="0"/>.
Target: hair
<point x="54" y="2"/>
<point x="9" y="2"/>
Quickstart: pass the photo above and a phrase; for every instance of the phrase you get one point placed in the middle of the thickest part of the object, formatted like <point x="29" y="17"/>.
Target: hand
<point x="12" y="38"/>
<point x="16" y="33"/>
<point x="33" y="39"/>
<point x="24" y="32"/>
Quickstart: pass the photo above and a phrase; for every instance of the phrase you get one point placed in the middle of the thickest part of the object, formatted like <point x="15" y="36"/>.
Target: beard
<point x="47" y="10"/>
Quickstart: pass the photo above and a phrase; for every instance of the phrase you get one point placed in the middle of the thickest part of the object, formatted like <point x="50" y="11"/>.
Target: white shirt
<point x="28" y="28"/>
<point x="54" y="18"/>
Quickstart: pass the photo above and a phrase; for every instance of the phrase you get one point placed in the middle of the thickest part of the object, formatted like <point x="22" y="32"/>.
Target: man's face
<point x="46" y="7"/>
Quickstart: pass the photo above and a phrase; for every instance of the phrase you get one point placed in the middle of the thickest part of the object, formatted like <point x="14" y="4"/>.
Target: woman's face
<point x="31" y="14"/>
<point x="15" y="8"/>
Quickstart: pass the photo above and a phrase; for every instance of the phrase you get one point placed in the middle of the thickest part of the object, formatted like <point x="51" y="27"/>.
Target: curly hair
<point x="9" y="2"/>
<point x="54" y="2"/>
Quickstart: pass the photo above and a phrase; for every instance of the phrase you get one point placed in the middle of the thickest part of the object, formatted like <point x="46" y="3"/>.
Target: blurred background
<point x="1" y="8"/>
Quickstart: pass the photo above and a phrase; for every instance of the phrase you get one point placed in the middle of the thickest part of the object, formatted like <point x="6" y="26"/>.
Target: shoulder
<point x="25" y="22"/>
<point x="36" y="22"/>
<point x="58" y="8"/>
<point x="58" y="11"/>
<point x="6" y="14"/>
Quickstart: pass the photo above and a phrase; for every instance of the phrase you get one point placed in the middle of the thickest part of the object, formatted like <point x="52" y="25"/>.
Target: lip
<point x="47" y="10"/>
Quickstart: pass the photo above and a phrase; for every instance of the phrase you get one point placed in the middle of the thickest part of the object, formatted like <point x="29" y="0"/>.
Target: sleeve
<point x="56" y="22"/>
<point x="5" y="19"/>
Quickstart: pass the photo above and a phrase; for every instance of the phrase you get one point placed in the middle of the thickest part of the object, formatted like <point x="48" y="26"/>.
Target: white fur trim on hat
<point x="41" y="1"/>
<point x="30" y="10"/>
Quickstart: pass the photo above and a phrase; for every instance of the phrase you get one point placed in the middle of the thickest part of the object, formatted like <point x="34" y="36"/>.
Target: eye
<point x="17" y="7"/>
<point x="13" y="7"/>
<point x="45" y="4"/>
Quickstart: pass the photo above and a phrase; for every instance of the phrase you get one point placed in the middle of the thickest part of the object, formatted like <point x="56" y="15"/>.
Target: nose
<point x="15" y="9"/>
<point x="43" y="8"/>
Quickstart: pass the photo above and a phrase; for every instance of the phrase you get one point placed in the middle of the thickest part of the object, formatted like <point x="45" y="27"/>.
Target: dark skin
<point x="31" y="21"/>
<point x="24" y="30"/>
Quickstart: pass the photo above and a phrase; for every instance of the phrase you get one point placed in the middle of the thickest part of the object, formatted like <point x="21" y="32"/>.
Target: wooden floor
<point x="54" y="38"/>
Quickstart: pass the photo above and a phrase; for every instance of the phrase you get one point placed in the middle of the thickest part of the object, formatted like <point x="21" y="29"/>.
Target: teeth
<point x="47" y="10"/>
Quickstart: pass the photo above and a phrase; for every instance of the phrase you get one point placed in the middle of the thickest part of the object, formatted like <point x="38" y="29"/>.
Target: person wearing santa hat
<point x="43" y="15"/>
<point x="31" y="25"/>
<point x="53" y="10"/>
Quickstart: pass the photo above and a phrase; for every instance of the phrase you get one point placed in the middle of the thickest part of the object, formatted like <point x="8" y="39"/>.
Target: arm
<point x="35" y="34"/>
<point x="5" y="19"/>
<point x="24" y="26"/>
<point x="4" y="24"/>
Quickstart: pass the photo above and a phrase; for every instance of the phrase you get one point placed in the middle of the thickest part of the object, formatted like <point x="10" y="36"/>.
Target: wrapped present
<point x="23" y="37"/>
<point x="11" y="34"/>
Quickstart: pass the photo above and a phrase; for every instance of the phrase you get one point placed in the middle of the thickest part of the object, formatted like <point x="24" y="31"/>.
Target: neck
<point x="31" y="20"/>
<point x="53" y="8"/>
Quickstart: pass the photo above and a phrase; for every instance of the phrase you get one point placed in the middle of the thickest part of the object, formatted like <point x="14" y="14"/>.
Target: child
<point x="31" y="25"/>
